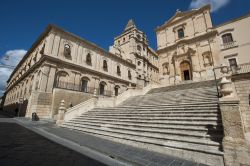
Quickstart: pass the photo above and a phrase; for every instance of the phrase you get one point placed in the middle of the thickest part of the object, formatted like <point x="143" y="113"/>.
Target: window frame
<point x="227" y="38"/>
<point x="105" y="65"/>
<point x="181" y="33"/>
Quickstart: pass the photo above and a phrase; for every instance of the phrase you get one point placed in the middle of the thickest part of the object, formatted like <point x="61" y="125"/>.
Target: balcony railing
<point x="240" y="69"/>
<point x="80" y="88"/>
<point x="234" y="70"/>
<point x="228" y="45"/>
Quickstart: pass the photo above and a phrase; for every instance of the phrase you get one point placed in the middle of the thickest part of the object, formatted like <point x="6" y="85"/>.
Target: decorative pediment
<point x="181" y="15"/>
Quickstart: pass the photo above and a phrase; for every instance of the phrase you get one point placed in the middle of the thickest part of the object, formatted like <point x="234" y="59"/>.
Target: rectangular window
<point x="180" y="33"/>
<point x="232" y="62"/>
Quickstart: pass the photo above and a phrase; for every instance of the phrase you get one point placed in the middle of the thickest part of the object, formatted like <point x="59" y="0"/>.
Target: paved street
<point x="22" y="147"/>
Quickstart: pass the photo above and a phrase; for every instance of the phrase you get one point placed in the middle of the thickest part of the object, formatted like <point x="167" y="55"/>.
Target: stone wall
<point x="69" y="97"/>
<point x="242" y="85"/>
<point x="40" y="102"/>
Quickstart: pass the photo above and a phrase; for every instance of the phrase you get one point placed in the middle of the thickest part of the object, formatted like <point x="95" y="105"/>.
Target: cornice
<point x="72" y="65"/>
<point x="78" y="67"/>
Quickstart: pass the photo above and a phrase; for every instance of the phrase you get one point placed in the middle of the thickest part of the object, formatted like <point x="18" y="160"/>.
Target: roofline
<point x="33" y="46"/>
<point x="233" y="20"/>
<point x="195" y="11"/>
<point x="46" y="31"/>
<point x="93" y="45"/>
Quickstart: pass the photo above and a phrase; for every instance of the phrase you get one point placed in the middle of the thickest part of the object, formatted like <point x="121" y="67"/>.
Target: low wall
<point x="242" y="86"/>
<point x="40" y="102"/>
<point x="69" y="96"/>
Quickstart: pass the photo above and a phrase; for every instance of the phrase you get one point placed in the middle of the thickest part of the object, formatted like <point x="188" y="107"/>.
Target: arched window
<point x="67" y="51"/>
<point x="88" y="59"/>
<point x="118" y="71"/>
<point x="139" y="63"/>
<point x="102" y="87"/>
<point x="105" y="65"/>
<point x="227" y="38"/>
<point x="117" y="90"/>
<point x="180" y="33"/>
<point x="139" y="48"/>
<point x="129" y="75"/>
<point x="62" y="79"/>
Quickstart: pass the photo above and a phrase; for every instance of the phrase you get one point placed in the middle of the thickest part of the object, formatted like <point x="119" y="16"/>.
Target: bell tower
<point x="132" y="45"/>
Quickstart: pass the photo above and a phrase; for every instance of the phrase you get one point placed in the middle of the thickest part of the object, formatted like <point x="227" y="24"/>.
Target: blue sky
<point x="21" y="22"/>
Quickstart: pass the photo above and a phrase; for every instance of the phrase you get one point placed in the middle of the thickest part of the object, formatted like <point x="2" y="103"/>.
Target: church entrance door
<point x="185" y="71"/>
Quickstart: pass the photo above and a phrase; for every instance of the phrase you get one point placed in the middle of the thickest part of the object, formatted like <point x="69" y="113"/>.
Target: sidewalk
<point x="109" y="150"/>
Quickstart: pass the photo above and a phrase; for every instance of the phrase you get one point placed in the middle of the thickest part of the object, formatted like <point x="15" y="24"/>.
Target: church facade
<point x="187" y="47"/>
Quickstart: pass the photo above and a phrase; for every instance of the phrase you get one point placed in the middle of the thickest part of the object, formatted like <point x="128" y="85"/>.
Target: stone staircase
<point x="181" y="120"/>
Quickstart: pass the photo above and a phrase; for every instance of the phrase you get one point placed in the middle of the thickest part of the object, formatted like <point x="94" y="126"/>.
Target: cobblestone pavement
<point x="22" y="147"/>
<point x="117" y="151"/>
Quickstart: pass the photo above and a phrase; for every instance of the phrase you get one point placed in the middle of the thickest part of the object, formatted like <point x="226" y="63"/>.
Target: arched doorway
<point x="84" y="84"/>
<point x="117" y="90"/>
<point x="186" y="73"/>
<point x="102" y="86"/>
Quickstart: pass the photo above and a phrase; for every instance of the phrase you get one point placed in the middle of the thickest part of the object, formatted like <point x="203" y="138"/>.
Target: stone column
<point x="44" y="74"/>
<point x="51" y="79"/>
<point x="61" y="112"/>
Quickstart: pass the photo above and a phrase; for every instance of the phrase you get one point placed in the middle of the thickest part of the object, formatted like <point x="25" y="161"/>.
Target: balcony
<point x="228" y="45"/>
<point x="80" y="88"/>
<point x="240" y="69"/>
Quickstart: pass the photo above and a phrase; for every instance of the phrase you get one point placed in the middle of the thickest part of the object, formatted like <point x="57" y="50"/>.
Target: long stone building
<point x="61" y="65"/>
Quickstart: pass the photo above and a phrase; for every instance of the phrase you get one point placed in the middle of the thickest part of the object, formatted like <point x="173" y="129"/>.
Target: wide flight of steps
<point x="182" y="120"/>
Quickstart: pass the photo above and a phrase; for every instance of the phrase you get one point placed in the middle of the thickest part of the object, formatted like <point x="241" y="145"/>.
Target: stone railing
<point x="98" y="101"/>
<point x="240" y="69"/>
<point x="233" y="70"/>
<point x="133" y="92"/>
<point x="80" y="88"/>
<point x="228" y="45"/>
<point x="80" y="109"/>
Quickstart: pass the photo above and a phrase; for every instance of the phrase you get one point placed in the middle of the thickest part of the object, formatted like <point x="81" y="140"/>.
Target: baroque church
<point x="189" y="98"/>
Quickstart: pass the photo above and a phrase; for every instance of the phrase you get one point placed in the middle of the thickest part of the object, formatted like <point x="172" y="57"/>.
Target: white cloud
<point x="215" y="4"/>
<point x="11" y="58"/>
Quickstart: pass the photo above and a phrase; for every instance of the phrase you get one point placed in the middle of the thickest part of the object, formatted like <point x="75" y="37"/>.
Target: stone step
<point x="158" y="111"/>
<point x="190" y="92"/>
<point x="185" y="105"/>
<point x="163" y="101"/>
<point x="153" y="110"/>
<point x="164" y="142"/>
<point x="157" y="118"/>
<point x="194" y="85"/>
<point x="157" y="121"/>
<point x="215" y="134"/>
<point x="128" y="115"/>
<point x="168" y="96"/>
<point x="163" y="136"/>
<point x="195" y="127"/>
<point x="194" y="104"/>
